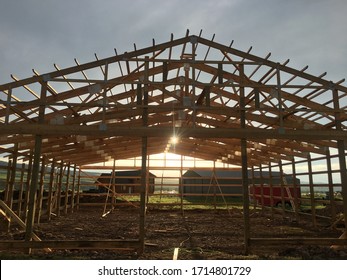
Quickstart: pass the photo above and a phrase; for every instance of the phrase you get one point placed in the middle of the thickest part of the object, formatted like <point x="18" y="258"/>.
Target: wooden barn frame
<point x="224" y="104"/>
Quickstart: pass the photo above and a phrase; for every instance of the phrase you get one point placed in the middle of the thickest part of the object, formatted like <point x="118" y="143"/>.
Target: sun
<point x="174" y="140"/>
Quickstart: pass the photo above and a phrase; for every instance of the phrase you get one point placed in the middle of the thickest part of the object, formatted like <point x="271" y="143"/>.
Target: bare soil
<point x="199" y="234"/>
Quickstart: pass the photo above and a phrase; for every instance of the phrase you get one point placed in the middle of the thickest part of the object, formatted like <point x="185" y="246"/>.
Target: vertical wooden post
<point x="33" y="188"/>
<point x="142" y="230"/>
<point x="271" y="190"/>
<point x="8" y="193"/>
<point x="8" y="179"/>
<point x="261" y="188"/>
<point x="244" y="163"/>
<point x="253" y="187"/>
<point x="40" y="193"/>
<point x="181" y="190"/>
<point x="282" y="187"/>
<point x="36" y="167"/>
<point x="8" y="106"/>
<point x="73" y="188"/>
<point x="147" y="180"/>
<point x="21" y="190"/>
<point x="13" y="175"/>
<point x="67" y="186"/>
<point x="143" y="193"/>
<point x="27" y="186"/>
<point x="214" y="186"/>
<point x="296" y="191"/>
<point x="312" y="200"/>
<point x="341" y="147"/>
<point x="78" y="188"/>
<point x="50" y="191"/>
<point x="331" y="186"/>
<point x="113" y="200"/>
<point x="220" y="73"/>
<point x="279" y="97"/>
<point x="60" y="183"/>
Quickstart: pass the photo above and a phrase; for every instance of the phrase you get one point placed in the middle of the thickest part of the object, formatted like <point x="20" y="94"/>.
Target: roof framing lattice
<point x="209" y="94"/>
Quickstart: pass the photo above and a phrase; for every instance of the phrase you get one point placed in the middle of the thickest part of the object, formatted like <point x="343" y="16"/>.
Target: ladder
<point x="291" y="199"/>
<point x="289" y="193"/>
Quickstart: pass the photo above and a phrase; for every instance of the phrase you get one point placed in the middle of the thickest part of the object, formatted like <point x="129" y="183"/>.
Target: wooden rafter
<point x="189" y="93"/>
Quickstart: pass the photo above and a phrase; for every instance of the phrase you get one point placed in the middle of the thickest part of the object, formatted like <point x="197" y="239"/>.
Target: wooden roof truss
<point x="93" y="112"/>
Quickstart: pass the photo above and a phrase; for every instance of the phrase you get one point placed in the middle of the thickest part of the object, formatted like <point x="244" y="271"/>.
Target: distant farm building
<point x="124" y="182"/>
<point x="229" y="182"/>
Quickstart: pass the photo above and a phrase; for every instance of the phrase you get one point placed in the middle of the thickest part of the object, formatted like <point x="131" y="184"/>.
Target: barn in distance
<point x="228" y="183"/>
<point x="128" y="181"/>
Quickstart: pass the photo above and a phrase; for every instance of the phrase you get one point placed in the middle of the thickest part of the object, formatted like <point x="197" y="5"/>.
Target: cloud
<point x="37" y="33"/>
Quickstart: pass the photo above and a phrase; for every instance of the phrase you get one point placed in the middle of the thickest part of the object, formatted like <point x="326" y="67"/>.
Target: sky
<point x="35" y="34"/>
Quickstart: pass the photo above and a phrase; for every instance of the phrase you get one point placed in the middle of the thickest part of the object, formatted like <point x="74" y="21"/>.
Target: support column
<point x="113" y="200"/>
<point x="244" y="163"/>
<point x="296" y="191"/>
<point x="282" y="184"/>
<point x="27" y="186"/>
<point x="50" y="191"/>
<point x="11" y="177"/>
<point x="142" y="230"/>
<point x="73" y="188"/>
<point x="60" y="183"/>
<point x="271" y="191"/>
<point x="21" y="190"/>
<point x="78" y="188"/>
<point x="253" y="189"/>
<point x="181" y="190"/>
<point x="33" y="189"/>
<point x="341" y="147"/>
<point x="331" y="186"/>
<point x="67" y="186"/>
<point x="261" y="189"/>
<point x="36" y="168"/>
<point x="312" y="200"/>
<point x="40" y="193"/>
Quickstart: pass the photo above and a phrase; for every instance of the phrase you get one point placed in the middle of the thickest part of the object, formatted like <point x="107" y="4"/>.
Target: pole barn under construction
<point x="191" y="97"/>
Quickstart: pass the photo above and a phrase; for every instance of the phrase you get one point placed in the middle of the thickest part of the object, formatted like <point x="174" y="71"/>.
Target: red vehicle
<point x="261" y="195"/>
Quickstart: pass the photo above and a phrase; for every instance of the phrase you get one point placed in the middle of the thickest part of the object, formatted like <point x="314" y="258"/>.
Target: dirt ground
<point x="199" y="234"/>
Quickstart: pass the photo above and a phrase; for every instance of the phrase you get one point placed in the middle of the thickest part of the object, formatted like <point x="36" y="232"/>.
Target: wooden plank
<point x="330" y="185"/>
<point x="311" y="185"/>
<point x="21" y="189"/>
<point x="8" y="211"/>
<point x="40" y="193"/>
<point x="73" y="188"/>
<point x="175" y="255"/>
<point x="50" y="190"/>
<point x="244" y="164"/>
<point x="59" y="187"/>
<point x="67" y="186"/>
<point x="199" y="132"/>
<point x="341" y="146"/>
<point x="297" y="241"/>
<point x="36" y="167"/>
<point x="72" y="244"/>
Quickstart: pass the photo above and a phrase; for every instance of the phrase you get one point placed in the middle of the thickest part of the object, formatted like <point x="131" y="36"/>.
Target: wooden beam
<point x="8" y="211"/>
<point x="199" y="132"/>
<point x="36" y="168"/>
<point x="72" y="244"/>
<point x="297" y="241"/>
